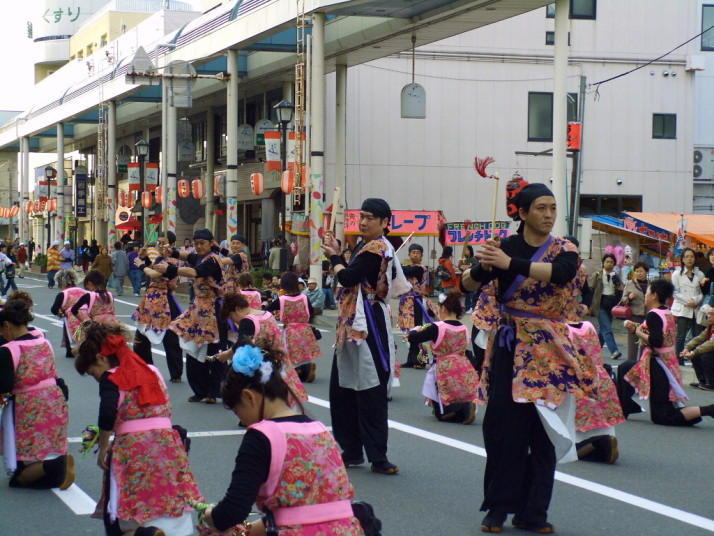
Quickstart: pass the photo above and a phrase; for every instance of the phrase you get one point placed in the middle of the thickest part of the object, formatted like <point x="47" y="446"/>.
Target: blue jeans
<point x="329" y="297"/>
<point x="51" y="278"/>
<point x="604" y="317"/>
<point x="470" y="300"/>
<point x="118" y="284"/>
<point x="10" y="284"/>
<point x="136" y="277"/>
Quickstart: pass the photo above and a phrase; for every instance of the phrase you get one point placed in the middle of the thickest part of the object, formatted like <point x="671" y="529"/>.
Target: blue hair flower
<point x="247" y="359"/>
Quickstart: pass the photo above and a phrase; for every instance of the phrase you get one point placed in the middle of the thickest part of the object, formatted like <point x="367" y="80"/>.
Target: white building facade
<point x="489" y="92"/>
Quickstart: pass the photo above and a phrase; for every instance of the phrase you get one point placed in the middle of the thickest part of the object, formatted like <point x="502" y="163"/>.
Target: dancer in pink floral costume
<point x="69" y="294"/>
<point x="656" y="376"/>
<point x="288" y="464"/>
<point x="148" y="481"/>
<point x="34" y="421"/>
<point x="97" y="304"/>
<point x="296" y="312"/>
<point x="259" y="327"/>
<point x="451" y="383"/>
<point x="246" y="285"/>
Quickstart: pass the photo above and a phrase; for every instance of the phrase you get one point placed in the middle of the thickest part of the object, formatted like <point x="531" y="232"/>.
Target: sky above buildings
<point x="16" y="59"/>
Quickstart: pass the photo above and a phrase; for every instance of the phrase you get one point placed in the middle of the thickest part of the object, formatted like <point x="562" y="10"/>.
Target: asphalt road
<point x="661" y="485"/>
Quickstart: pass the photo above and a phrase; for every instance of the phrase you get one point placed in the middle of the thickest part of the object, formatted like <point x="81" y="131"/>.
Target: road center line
<point x="600" y="489"/>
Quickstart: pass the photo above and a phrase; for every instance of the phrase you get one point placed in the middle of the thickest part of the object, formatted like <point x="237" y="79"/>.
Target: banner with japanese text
<point x="272" y="151"/>
<point x="80" y="195"/>
<point x="476" y="232"/>
<point x="151" y="176"/>
<point x="404" y="222"/>
<point x="134" y="173"/>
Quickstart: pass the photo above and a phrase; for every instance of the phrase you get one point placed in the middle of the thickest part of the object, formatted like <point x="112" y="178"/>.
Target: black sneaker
<point x="538" y="528"/>
<point x="385" y="468"/>
<point x="195" y="398"/>
<point x="493" y="522"/>
<point x="705" y="387"/>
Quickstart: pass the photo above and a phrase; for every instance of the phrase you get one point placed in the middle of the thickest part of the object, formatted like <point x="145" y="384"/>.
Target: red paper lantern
<point x="14" y="211"/>
<point x="4" y="212"/>
<point x="43" y="206"/>
<point x="146" y="200"/>
<point x="123" y="198"/>
<point x="197" y="188"/>
<point x="257" y="183"/>
<point x="159" y="193"/>
<point x="217" y="184"/>
<point x="183" y="188"/>
<point x="53" y="204"/>
<point x="28" y="207"/>
<point x="287" y="182"/>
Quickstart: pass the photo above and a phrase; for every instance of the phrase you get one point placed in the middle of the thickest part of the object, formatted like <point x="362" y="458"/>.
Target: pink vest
<point x="267" y="330"/>
<point x="294" y="309"/>
<point x="253" y="297"/>
<point x="452" y="340"/>
<point x="34" y="363"/>
<point x="99" y="310"/>
<point x="143" y="418"/>
<point x="71" y="296"/>
<point x="298" y="451"/>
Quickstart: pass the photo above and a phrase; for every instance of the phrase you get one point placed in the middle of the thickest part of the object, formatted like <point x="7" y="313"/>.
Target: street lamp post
<point x="142" y="151"/>
<point x="284" y="111"/>
<point x="50" y="173"/>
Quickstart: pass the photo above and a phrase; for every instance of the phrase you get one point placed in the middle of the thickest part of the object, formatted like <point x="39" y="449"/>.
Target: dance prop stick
<point x="335" y="204"/>
<point x="404" y="243"/>
<point x="480" y="166"/>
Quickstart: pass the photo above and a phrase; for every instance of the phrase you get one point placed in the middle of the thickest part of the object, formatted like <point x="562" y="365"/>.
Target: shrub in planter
<point x="41" y="261"/>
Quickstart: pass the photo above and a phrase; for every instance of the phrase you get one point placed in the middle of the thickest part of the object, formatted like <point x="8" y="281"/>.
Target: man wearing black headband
<point x="234" y="263"/>
<point x="361" y="372"/>
<point x="530" y="366"/>
<point x="412" y="305"/>
<point x="197" y="326"/>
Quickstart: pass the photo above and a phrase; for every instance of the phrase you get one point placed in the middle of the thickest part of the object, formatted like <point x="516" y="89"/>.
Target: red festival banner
<point x="479" y="231"/>
<point x="404" y="222"/>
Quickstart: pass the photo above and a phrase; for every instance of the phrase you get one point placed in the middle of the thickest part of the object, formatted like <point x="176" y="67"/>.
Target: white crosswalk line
<point x="76" y="499"/>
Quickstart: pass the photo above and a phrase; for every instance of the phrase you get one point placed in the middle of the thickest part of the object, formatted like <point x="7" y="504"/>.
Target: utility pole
<point x="577" y="176"/>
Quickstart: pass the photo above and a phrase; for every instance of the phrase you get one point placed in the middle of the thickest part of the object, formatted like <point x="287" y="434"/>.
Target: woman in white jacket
<point x="687" y="297"/>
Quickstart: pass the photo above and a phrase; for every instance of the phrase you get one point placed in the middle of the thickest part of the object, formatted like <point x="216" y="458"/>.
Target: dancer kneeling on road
<point x="656" y="376"/>
<point x="282" y="451"/>
<point x="253" y="326"/>
<point x="296" y="312"/>
<point x="451" y="383"/>
<point x="147" y="481"/>
<point x="96" y="305"/>
<point x="69" y="294"/>
<point x="33" y="408"/>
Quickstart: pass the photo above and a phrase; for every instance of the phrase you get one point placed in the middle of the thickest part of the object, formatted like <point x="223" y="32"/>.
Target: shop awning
<point x="698" y="226"/>
<point x="617" y="226"/>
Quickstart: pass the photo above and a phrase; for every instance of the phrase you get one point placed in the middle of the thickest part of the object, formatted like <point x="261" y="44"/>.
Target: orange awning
<point x="698" y="225"/>
<point x="707" y="239"/>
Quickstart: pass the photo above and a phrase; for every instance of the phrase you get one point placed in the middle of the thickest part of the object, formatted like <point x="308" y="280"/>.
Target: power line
<point x="598" y="84"/>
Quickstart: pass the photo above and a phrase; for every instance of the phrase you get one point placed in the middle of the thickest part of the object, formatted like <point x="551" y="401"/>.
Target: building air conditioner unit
<point x="703" y="160"/>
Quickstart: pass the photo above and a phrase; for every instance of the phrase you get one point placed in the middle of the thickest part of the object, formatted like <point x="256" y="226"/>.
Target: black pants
<point x="452" y="413"/>
<point x="172" y="348"/>
<point x="205" y="378"/>
<point x="662" y="411"/>
<point x="359" y="418"/>
<point x="65" y="340"/>
<point x="520" y="459"/>
<point x="704" y="368"/>
<point x="684" y="325"/>
<point x="479" y="354"/>
<point x="413" y="354"/>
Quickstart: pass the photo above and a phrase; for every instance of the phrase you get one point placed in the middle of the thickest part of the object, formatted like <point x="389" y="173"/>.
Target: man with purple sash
<point x="530" y="372"/>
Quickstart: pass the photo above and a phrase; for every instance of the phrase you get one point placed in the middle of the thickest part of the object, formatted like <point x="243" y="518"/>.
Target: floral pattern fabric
<point x="639" y="375"/>
<point x="153" y="312"/>
<point x="231" y="274"/>
<point x="267" y="333"/>
<point x="487" y="312"/>
<point x="71" y="322"/>
<point x="602" y="409"/>
<point x="151" y="468"/>
<point x="199" y="322"/>
<point x="300" y="341"/>
<point x="347" y="296"/>
<point x="408" y="302"/>
<point x="545" y="366"/>
<point x="41" y="416"/>
<point x="456" y="379"/>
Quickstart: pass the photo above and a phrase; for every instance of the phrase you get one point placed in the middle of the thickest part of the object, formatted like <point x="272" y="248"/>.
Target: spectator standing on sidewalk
<point x="687" y="298"/>
<point x="83" y="253"/>
<point x="136" y="274"/>
<point x="634" y="296"/>
<point x="120" y="268"/>
<point x="22" y="259"/>
<point x="607" y="289"/>
<point x="30" y="250"/>
<point x="53" y="263"/>
<point x="67" y="256"/>
<point x="10" y="272"/>
<point x="700" y="350"/>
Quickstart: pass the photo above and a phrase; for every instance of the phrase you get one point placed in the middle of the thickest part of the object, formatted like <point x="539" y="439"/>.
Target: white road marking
<point x="77" y="500"/>
<point x="600" y="489"/>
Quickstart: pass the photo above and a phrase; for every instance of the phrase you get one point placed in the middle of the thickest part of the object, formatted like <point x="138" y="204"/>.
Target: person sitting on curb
<point x="700" y="350"/>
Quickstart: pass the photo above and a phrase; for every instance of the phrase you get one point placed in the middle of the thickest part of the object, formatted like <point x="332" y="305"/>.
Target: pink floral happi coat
<point x="41" y="416"/>
<point x="198" y="323"/>
<point x="300" y="341"/>
<point x="602" y="409"/>
<point x="545" y="367"/>
<point x="639" y="375"/>
<point x="71" y="322"/>
<point x="456" y="378"/>
<point x="231" y="274"/>
<point x="151" y="468"/>
<point x="267" y="333"/>
<point x="153" y="310"/>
